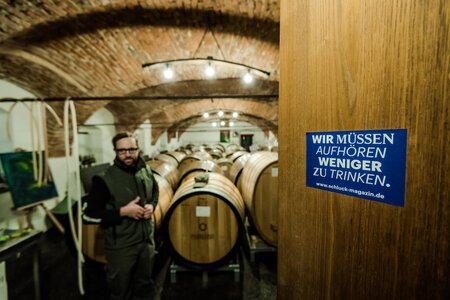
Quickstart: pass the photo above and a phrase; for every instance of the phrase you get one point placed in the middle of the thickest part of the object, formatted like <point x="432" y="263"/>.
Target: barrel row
<point x="210" y="217"/>
<point x="211" y="152"/>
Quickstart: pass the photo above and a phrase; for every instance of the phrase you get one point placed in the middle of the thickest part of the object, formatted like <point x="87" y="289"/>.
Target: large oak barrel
<point x="166" y="170"/>
<point x="196" y="156"/>
<point x="93" y="240"/>
<point x="259" y="187"/>
<point x="204" y="225"/>
<point x="236" y="169"/>
<point x="165" y="197"/>
<point x="178" y="155"/>
<point x="195" y="167"/>
<point x="167" y="158"/>
<point x="225" y="164"/>
<point x="218" y="146"/>
<point x="185" y="150"/>
<point x="235" y="155"/>
<point x="233" y="148"/>
<point x="215" y="153"/>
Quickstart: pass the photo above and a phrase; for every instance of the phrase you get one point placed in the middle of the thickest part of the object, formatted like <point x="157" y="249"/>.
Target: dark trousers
<point x="129" y="271"/>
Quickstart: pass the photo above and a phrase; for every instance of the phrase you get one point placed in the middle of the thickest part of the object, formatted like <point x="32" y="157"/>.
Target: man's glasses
<point x="125" y="150"/>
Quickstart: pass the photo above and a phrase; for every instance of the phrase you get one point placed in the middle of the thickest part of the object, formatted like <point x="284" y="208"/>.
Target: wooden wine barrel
<point x="195" y="167"/>
<point x="189" y="146"/>
<point x="218" y="146"/>
<point x="165" y="197"/>
<point x="166" y="170"/>
<point x="204" y="225"/>
<point x="196" y="148"/>
<point x="196" y="156"/>
<point x="215" y="153"/>
<point x="236" y="169"/>
<point x="167" y="158"/>
<point x="185" y="151"/>
<point x="93" y="240"/>
<point x="178" y="155"/>
<point x="259" y="188"/>
<point x="235" y="155"/>
<point x="225" y="164"/>
<point x="205" y="148"/>
<point x="232" y="148"/>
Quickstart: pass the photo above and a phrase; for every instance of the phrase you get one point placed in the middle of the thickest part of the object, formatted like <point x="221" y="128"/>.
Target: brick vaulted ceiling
<point x="96" y="48"/>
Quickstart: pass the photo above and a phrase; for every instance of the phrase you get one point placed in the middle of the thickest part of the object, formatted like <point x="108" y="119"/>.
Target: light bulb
<point x="206" y="115"/>
<point x="231" y="123"/>
<point x="222" y="123"/>
<point x="168" y="73"/>
<point x="209" y="71"/>
<point x="235" y="114"/>
<point x="248" y="78"/>
<point x="220" y="113"/>
<point x="214" y="124"/>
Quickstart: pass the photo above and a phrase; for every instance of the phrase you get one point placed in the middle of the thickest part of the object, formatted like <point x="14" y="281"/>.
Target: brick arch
<point x="172" y="114"/>
<point x="164" y="113"/>
<point x="261" y="113"/>
<point x="182" y="126"/>
<point x="73" y="42"/>
<point x="90" y="19"/>
<point x="33" y="75"/>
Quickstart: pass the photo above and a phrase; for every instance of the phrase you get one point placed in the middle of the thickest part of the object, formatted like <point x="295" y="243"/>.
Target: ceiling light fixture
<point x="248" y="77"/>
<point x="220" y="114"/>
<point x="168" y="73"/>
<point x="208" y="60"/>
<point x="209" y="71"/>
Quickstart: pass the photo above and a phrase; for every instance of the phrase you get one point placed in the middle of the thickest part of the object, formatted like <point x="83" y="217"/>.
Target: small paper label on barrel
<point x="224" y="168"/>
<point x="202" y="211"/>
<point x="274" y="172"/>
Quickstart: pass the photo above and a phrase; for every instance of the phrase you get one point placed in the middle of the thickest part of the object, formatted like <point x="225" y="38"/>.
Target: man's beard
<point x="129" y="161"/>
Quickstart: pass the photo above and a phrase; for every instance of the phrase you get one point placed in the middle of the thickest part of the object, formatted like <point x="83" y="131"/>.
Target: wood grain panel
<point x="351" y="65"/>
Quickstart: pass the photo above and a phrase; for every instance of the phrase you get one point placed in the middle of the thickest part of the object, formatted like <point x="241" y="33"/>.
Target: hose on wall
<point x="69" y="107"/>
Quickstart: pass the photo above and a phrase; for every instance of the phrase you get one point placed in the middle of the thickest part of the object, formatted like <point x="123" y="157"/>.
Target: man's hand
<point x="133" y="209"/>
<point x="148" y="211"/>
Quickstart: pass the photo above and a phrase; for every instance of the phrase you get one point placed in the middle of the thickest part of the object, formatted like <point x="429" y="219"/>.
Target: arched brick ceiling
<point x="97" y="48"/>
<point x="165" y="112"/>
<point x="263" y="114"/>
<point x="181" y="127"/>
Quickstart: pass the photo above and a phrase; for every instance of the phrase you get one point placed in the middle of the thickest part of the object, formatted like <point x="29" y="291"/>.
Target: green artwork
<point x="224" y="136"/>
<point x="18" y="172"/>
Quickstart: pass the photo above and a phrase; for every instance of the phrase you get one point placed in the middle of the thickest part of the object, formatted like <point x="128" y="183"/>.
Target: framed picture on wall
<point x="19" y="174"/>
<point x="224" y="136"/>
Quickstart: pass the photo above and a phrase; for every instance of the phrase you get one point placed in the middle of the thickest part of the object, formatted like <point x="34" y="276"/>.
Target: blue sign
<point x="369" y="164"/>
